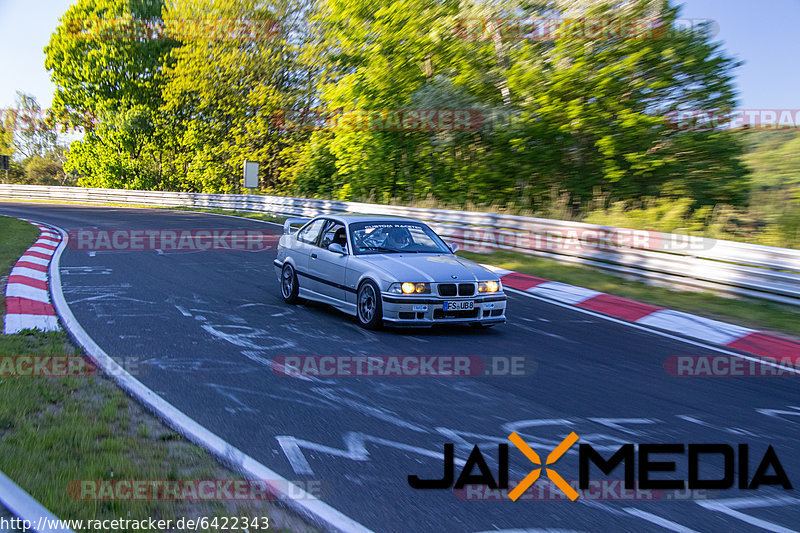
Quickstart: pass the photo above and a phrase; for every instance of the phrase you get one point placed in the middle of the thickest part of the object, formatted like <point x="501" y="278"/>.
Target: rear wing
<point x="287" y="226"/>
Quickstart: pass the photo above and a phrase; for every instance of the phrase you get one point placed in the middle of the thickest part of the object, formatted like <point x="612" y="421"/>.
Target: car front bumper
<point x="427" y="311"/>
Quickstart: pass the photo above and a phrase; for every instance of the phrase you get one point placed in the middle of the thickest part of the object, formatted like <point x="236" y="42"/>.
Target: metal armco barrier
<point x="756" y="271"/>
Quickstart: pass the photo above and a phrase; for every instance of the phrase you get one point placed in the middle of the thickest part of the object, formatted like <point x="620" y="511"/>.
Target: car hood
<point x="429" y="267"/>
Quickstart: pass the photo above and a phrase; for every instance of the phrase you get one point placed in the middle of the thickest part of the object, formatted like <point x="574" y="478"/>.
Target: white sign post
<point x="250" y="175"/>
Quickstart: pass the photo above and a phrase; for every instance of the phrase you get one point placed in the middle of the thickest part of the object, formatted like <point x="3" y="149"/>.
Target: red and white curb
<point x="27" y="293"/>
<point x="693" y="326"/>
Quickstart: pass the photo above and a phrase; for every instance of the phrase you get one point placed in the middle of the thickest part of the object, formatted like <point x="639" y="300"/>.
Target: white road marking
<point x="26" y="291"/>
<point x="355" y="449"/>
<point x="654" y="331"/>
<point x="659" y="521"/>
<point x="735" y="431"/>
<point x="775" y="413"/>
<point x="14" y="323"/>
<point x="728" y="507"/>
<point x="29" y="273"/>
<point x="695" y="326"/>
<point x="33" y="259"/>
<point x="376" y="412"/>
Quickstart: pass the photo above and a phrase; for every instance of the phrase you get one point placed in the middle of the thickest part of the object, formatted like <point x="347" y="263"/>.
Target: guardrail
<point x="751" y="270"/>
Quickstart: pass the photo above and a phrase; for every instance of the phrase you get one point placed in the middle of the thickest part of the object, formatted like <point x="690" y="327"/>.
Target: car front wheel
<point x="369" y="309"/>
<point x="289" y="286"/>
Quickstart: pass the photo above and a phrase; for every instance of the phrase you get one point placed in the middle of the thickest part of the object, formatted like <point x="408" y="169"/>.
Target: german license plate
<point x="462" y="305"/>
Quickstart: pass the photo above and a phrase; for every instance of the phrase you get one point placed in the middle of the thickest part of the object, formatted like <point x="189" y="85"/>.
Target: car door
<point x="305" y="244"/>
<point x="326" y="266"/>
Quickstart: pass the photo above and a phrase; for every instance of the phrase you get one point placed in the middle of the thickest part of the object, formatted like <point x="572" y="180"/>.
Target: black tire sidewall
<point x="377" y="318"/>
<point x="292" y="298"/>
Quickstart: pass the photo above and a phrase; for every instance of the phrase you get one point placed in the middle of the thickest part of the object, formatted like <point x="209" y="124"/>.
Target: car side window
<point x="334" y="232"/>
<point x="310" y="233"/>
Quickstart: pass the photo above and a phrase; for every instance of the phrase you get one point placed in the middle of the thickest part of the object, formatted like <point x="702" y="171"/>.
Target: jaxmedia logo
<point x="416" y="366"/>
<point x="95" y="240"/>
<point x="699" y="457"/>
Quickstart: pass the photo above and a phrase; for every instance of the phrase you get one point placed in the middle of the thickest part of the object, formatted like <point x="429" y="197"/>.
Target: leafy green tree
<point x="222" y="96"/>
<point x="106" y="59"/>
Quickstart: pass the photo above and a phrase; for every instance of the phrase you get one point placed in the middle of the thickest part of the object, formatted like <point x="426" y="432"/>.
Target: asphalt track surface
<point x="200" y="328"/>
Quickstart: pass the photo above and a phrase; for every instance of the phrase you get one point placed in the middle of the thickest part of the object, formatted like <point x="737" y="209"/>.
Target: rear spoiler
<point x="287" y="226"/>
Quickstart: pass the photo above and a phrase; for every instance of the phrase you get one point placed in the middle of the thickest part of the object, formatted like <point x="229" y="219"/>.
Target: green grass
<point x="16" y="236"/>
<point x="749" y="313"/>
<point x="57" y="430"/>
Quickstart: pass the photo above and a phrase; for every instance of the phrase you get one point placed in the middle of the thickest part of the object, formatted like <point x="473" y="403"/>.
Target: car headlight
<point x="410" y="288"/>
<point x="489" y="286"/>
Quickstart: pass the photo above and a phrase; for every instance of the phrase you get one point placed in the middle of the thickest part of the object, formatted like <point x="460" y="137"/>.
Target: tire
<point x="289" y="284"/>
<point x="369" y="308"/>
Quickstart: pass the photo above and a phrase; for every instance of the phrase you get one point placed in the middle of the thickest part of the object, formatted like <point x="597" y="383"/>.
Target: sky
<point x="762" y="33"/>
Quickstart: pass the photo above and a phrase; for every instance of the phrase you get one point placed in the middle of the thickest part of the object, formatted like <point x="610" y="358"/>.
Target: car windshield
<point x="395" y="237"/>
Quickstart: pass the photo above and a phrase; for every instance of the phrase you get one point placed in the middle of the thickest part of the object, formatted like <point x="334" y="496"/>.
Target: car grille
<point x="466" y="289"/>
<point x="447" y="289"/>
<point x="451" y="289"/>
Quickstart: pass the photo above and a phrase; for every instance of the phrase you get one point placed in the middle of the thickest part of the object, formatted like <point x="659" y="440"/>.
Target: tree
<point x="31" y="135"/>
<point x="222" y="95"/>
<point x="106" y="59"/>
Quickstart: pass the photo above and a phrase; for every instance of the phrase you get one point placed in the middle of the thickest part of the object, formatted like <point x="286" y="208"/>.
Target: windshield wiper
<point x="381" y="248"/>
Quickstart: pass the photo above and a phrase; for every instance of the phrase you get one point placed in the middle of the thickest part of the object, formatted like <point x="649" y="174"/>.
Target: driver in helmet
<point x="398" y="238"/>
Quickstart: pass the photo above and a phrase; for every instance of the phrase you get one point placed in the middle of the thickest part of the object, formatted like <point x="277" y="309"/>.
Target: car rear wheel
<point x="369" y="308"/>
<point x="289" y="285"/>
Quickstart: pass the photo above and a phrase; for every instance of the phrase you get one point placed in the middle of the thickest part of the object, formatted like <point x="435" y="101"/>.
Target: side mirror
<point x="453" y="246"/>
<point x="336" y="247"/>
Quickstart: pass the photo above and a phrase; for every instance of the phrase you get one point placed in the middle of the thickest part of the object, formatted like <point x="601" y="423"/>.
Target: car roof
<point x="351" y="218"/>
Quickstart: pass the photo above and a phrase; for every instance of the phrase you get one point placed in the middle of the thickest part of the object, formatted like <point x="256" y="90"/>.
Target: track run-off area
<point x="202" y="328"/>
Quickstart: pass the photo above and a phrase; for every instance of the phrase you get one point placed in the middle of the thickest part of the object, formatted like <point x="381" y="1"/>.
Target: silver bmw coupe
<point x="385" y="270"/>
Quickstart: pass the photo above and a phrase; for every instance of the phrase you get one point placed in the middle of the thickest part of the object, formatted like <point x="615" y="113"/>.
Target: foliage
<point x="571" y="126"/>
